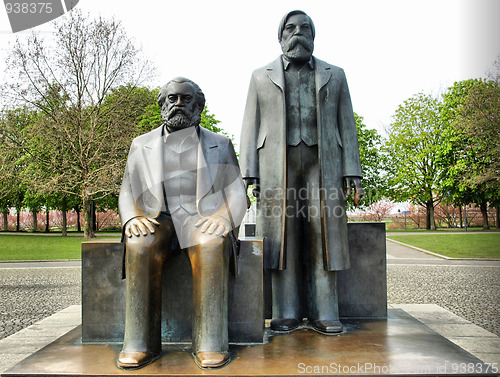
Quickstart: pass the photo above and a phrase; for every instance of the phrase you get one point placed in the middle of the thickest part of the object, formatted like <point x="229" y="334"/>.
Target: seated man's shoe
<point x="211" y="359"/>
<point x="135" y="360"/>
<point x="284" y="324"/>
<point x="327" y="326"/>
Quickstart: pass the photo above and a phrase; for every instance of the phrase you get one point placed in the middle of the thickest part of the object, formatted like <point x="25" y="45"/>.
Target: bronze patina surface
<point x="299" y="151"/>
<point x="400" y="345"/>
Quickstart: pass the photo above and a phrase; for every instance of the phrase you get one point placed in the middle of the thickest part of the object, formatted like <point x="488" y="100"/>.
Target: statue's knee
<point x="217" y="242"/>
<point x="206" y="240"/>
<point x="138" y="244"/>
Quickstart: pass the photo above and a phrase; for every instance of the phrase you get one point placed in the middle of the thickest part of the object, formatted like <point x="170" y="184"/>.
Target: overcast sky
<point x="389" y="50"/>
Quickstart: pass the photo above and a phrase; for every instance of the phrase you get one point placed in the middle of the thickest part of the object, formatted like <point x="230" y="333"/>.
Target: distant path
<point x="41" y="264"/>
<point x="55" y="234"/>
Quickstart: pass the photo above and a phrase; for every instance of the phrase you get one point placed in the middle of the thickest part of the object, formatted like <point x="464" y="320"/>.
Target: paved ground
<point x="29" y="293"/>
<point x="480" y="343"/>
<point x="470" y="289"/>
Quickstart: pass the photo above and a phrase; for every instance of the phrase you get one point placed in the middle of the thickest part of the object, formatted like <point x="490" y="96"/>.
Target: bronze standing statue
<point x="182" y="189"/>
<point x="299" y="147"/>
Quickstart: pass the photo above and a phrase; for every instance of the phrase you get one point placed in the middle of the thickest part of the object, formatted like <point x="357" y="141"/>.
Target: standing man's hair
<point x="287" y="16"/>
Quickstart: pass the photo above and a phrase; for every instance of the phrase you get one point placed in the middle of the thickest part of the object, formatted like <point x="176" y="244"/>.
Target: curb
<point x="440" y="255"/>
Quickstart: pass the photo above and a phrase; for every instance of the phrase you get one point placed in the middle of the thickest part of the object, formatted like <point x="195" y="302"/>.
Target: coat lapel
<point x="323" y="74"/>
<point x="208" y="163"/>
<point x="276" y="73"/>
<point x="153" y="157"/>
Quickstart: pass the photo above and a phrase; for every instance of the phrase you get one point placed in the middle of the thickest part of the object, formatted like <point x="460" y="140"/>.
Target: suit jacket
<point x="263" y="156"/>
<point x="219" y="187"/>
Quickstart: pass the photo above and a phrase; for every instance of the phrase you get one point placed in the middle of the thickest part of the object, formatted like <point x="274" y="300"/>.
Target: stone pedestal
<point x="362" y="288"/>
<point x="103" y="295"/>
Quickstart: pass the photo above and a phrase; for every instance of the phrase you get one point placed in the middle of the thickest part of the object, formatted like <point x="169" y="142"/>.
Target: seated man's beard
<point x="181" y="119"/>
<point x="298" y="48"/>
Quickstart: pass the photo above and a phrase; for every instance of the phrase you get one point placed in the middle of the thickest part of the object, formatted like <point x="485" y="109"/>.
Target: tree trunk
<point x="64" y="218"/>
<point x="88" y="231"/>
<point x="431" y="224"/>
<point x="498" y="217"/>
<point x="465" y="218"/>
<point x="5" y="219"/>
<point x="18" y="219"/>
<point x="484" y="212"/>
<point x="94" y="216"/>
<point x="47" y="220"/>
<point x="460" y="215"/>
<point x="78" y="223"/>
<point x="35" y="219"/>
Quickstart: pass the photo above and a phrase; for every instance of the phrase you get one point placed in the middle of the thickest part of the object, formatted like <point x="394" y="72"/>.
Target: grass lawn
<point x="19" y="247"/>
<point x="455" y="245"/>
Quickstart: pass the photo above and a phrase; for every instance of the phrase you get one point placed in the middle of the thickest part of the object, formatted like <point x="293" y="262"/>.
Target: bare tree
<point x="74" y="147"/>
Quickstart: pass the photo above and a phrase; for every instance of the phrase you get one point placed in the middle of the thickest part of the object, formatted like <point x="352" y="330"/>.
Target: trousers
<point x="209" y="259"/>
<point x="304" y="289"/>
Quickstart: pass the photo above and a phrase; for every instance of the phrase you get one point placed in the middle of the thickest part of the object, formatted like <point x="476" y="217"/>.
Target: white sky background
<point x="389" y="50"/>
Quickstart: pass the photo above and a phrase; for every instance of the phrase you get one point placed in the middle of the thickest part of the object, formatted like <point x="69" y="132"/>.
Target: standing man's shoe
<point x="135" y="360"/>
<point x="327" y="326"/>
<point x="284" y="324"/>
<point x="211" y="359"/>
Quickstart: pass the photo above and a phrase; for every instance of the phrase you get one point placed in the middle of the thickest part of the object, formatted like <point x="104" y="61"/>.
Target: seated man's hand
<point x="217" y="225"/>
<point x="140" y="225"/>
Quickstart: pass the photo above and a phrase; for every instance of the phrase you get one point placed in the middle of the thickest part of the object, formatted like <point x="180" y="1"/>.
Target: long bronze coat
<point x="263" y="156"/>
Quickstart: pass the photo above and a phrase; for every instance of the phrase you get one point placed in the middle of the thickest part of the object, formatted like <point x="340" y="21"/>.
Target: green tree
<point x="13" y="126"/>
<point x="471" y="112"/>
<point x="373" y="162"/>
<point x="413" y="147"/>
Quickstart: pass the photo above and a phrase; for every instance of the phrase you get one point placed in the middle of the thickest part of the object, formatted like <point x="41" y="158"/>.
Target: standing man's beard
<point x="298" y="48"/>
<point x="179" y="119"/>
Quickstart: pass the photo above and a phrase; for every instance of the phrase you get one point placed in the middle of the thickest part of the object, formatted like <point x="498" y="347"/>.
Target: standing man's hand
<point x="256" y="186"/>
<point x="354" y="183"/>
<point x="140" y="225"/>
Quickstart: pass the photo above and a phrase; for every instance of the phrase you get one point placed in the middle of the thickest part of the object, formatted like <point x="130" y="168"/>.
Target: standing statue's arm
<point x="348" y="132"/>
<point x="354" y="187"/>
<point x="249" y="157"/>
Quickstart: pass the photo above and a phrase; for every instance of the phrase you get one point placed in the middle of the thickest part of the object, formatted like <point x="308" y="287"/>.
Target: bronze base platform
<point x="398" y="345"/>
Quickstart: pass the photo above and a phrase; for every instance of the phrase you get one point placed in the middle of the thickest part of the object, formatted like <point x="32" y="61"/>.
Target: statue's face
<point x="297" y="42"/>
<point x="179" y="109"/>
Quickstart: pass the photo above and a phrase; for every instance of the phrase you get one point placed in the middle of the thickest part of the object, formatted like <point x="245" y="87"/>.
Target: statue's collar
<point x="286" y="62"/>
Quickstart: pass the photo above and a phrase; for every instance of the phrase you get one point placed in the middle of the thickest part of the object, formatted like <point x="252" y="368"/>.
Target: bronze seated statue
<point x="182" y="190"/>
